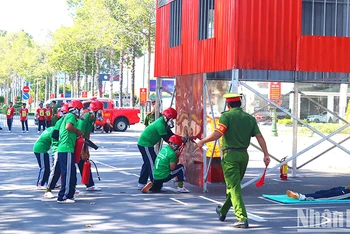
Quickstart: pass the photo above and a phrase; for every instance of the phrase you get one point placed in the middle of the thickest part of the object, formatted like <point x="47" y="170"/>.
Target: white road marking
<point x="250" y="215"/>
<point x="178" y="201"/>
<point x="122" y="172"/>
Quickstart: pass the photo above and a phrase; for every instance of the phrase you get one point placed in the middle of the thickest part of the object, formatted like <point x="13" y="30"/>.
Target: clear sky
<point x="35" y="17"/>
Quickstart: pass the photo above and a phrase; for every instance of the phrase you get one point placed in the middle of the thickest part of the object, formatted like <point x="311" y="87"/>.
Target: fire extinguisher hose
<point x="98" y="175"/>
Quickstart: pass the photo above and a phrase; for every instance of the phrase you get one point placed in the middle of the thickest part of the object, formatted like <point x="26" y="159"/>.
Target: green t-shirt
<point x="240" y="125"/>
<point x="153" y="133"/>
<point x="55" y="142"/>
<point x="67" y="139"/>
<point x="42" y="145"/>
<point x="86" y="124"/>
<point x="162" y="164"/>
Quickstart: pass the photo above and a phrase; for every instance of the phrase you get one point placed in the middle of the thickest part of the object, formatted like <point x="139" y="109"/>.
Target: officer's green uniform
<point x="54" y="115"/>
<point x="150" y="118"/>
<point x="240" y="127"/>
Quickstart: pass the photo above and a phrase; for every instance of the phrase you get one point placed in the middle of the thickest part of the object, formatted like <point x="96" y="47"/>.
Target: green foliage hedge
<point x="325" y="128"/>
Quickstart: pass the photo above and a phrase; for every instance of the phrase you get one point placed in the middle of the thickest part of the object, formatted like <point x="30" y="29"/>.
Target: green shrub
<point x="325" y="128"/>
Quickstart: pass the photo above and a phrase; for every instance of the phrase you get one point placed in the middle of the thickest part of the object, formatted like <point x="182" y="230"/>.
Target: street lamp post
<point x="274" y="122"/>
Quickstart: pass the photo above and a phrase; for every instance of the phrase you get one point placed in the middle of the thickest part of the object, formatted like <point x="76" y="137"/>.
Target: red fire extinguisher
<point x="284" y="170"/>
<point x="79" y="144"/>
<point x="86" y="172"/>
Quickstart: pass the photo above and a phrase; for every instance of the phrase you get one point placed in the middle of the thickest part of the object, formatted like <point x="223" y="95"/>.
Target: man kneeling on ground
<point x="166" y="167"/>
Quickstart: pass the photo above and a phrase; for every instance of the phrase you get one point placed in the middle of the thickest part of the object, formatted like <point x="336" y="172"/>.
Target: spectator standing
<point x="10" y="112"/>
<point x="151" y="117"/>
<point x="23" y="115"/>
<point x="54" y="113"/>
<point x="48" y="115"/>
<point x="40" y="117"/>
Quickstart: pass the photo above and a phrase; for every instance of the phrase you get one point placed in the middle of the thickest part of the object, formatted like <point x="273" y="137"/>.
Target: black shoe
<point x="240" y="224"/>
<point x="221" y="216"/>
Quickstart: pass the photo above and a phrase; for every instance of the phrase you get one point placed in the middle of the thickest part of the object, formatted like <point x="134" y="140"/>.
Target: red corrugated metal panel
<point x="175" y="60"/>
<point x="161" y="65"/>
<point x="267" y="31"/>
<point x="224" y="33"/>
<point x="206" y="55"/>
<point x="190" y="16"/>
<point x="323" y="54"/>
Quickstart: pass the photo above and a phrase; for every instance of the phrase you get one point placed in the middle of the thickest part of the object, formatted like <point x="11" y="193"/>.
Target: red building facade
<point x="255" y="34"/>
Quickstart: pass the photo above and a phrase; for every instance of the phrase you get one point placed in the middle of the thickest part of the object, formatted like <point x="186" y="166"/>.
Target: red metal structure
<point x="248" y="34"/>
<point x="251" y="40"/>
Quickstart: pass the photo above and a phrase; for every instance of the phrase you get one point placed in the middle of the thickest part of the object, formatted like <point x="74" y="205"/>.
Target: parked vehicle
<point x="322" y="118"/>
<point x="64" y="100"/>
<point x="120" y="117"/>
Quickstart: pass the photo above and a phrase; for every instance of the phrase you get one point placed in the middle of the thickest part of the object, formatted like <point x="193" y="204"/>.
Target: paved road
<point x="121" y="208"/>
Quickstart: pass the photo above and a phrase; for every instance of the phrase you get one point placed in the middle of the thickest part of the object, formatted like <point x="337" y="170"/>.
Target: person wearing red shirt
<point x="23" y="115"/>
<point x="48" y="114"/>
<point x="40" y="117"/>
<point x="10" y="112"/>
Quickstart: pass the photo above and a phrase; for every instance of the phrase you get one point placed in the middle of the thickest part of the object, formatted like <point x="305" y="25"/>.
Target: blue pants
<point x="179" y="172"/>
<point x="44" y="165"/>
<point x="329" y="193"/>
<point x="41" y="123"/>
<point x="69" y="175"/>
<point x="9" y="124"/>
<point x="148" y="156"/>
<point x="81" y="166"/>
<point x="24" y="123"/>
<point x="55" y="173"/>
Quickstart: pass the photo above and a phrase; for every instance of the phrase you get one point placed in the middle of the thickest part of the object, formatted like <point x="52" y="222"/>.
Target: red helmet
<point x="75" y="104"/>
<point x="170" y="113"/>
<point x="96" y="105"/>
<point x="64" y="108"/>
<point x="176" y="140"/>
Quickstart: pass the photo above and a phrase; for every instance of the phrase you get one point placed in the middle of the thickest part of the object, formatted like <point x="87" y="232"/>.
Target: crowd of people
<point x="236" y="128"/>
<point x="61" y="138"/>
<point x="44" y="117"/>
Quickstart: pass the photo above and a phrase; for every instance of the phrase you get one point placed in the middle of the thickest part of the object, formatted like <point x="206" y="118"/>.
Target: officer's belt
<point x="234" y="149"/>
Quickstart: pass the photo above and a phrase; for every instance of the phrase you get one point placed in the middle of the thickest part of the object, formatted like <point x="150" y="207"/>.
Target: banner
<point x="166" y="84"/>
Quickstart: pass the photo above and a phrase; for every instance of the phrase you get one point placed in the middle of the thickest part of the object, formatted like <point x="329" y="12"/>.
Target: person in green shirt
<point x="40" y="149"/>
<point x="161" y="128"/>
<point x="166" y="167"/>
<point x="68" y="134"/>
<point x="236" y="128"/>
<point x="55" y="169"/>
<point x="86" y="124"/>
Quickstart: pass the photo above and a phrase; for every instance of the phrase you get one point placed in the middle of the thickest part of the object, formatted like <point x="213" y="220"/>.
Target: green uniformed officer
<point x="151" y="116"/>
<point x="236" y="128"/>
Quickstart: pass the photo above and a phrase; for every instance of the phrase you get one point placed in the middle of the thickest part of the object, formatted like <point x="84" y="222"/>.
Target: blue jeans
<point x="329" y="193"/>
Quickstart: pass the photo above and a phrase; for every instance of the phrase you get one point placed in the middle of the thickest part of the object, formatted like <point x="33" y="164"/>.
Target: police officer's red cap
<point x="232" y="97"/>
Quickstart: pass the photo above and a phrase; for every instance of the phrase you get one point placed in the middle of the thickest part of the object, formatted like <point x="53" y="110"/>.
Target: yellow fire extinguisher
<point x="284" y="169"/>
